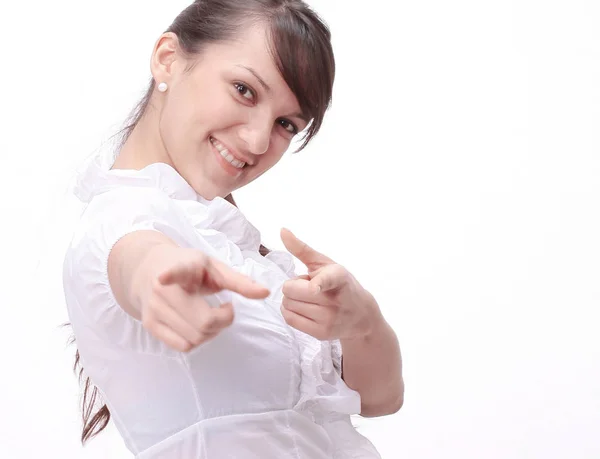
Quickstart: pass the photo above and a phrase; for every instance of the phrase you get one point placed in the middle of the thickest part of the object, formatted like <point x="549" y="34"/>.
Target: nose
<point x="256" y="134"/>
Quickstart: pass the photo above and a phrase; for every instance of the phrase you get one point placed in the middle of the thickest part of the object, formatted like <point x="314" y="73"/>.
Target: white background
<point x="457" y="176"/>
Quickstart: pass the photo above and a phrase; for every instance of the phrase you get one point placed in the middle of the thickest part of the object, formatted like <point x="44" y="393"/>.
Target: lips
<point x="226" y="160"/>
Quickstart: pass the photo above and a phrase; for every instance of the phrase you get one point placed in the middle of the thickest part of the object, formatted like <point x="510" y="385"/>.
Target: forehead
<point x="251" y="48"/>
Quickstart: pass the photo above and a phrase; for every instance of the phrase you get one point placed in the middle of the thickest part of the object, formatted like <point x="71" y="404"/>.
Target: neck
<point x="144" y="146"/>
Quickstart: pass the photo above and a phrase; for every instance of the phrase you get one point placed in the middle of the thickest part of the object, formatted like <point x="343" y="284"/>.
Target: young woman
<point x="202" y="343"/>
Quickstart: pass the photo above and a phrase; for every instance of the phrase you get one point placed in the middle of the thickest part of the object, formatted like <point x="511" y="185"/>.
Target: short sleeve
<point x="109" y="217"/>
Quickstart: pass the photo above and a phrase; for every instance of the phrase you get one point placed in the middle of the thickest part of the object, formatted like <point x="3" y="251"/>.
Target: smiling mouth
<point x="227" y="156"/>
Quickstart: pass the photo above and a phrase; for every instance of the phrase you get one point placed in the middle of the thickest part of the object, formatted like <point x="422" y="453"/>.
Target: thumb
<point x="303" y="252"/>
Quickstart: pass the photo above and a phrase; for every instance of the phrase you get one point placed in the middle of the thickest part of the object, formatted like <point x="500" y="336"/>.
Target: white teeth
<point x="228" y="156"/>
<point x="231" y="160"/>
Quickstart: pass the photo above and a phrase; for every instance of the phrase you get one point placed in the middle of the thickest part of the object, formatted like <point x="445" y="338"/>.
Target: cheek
<point x="174" y="121"/>
<point x="185" y="127"/>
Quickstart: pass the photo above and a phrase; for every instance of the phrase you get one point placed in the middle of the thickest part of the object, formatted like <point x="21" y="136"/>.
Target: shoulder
<point x="112" y="214"/>
<point x="125" y="208"/>
<point x="128" y="200"/>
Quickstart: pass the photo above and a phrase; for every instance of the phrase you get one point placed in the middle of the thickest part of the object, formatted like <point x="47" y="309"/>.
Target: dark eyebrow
<point x="257" y="76"/>
<point x="302" y="116"/>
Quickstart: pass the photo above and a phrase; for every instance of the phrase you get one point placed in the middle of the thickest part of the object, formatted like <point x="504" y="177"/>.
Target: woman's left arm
<point x="329" y="303"/>
<point x="372" y="366"/>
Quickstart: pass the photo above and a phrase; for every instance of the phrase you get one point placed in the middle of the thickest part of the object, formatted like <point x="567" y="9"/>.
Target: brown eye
<point x="244" y="91"/>
<point x="288" y="126"/>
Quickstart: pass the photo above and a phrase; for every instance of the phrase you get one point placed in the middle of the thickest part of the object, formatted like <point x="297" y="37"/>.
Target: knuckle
<point x="198" y="338"/>
<point x="148" y="322"/>
<point x="286" y="287"/>
<point x="201" y="262"/>
<point x="340" y="271"/>
<point x="209" y="322"/>
<point x="156" y="288"/>
<point x="287" y="316"/>
<point x="197" y="265"/>
<point x="198" y="343"/>
<point x="339" y="268"/>
<point x="228" y="321"/>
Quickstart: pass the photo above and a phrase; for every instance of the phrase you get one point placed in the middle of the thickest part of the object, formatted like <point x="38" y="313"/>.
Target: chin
<point x="214" y="193"/>
<point x="207" y="193"/>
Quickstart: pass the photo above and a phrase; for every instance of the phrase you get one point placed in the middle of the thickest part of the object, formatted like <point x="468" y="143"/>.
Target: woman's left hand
<point x="327" y="303"/>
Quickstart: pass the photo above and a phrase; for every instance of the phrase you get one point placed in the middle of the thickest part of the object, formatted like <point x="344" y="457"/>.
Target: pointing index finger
<point x="226" y="278"/>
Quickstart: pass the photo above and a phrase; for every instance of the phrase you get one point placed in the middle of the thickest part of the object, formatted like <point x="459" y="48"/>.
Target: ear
<point x="165" y="56"/>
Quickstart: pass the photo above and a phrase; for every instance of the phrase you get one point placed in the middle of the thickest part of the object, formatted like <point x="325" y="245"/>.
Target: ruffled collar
<point x="217" y="214"/>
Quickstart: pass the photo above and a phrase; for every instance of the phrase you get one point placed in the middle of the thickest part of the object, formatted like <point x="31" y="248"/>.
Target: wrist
<point x="377" y="323"/>
<point x="372" y="324"/>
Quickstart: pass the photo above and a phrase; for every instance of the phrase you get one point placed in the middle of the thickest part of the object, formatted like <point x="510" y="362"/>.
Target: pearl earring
<point x="162" y="87"/>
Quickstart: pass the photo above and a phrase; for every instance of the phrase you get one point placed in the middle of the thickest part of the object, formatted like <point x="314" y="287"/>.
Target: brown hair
<point x="301" y="48"/>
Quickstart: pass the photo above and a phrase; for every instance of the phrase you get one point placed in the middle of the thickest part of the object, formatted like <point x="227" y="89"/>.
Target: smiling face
<point x="230" y="118"/>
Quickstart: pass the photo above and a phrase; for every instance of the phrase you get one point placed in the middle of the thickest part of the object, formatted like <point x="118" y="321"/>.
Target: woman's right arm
<point x="164" y="286"/>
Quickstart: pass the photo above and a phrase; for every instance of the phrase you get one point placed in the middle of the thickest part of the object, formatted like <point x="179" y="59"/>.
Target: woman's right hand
<point x="174" y="308"/>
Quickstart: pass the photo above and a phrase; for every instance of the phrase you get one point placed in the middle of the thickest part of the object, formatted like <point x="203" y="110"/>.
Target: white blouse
<point x="260" y="389"/>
